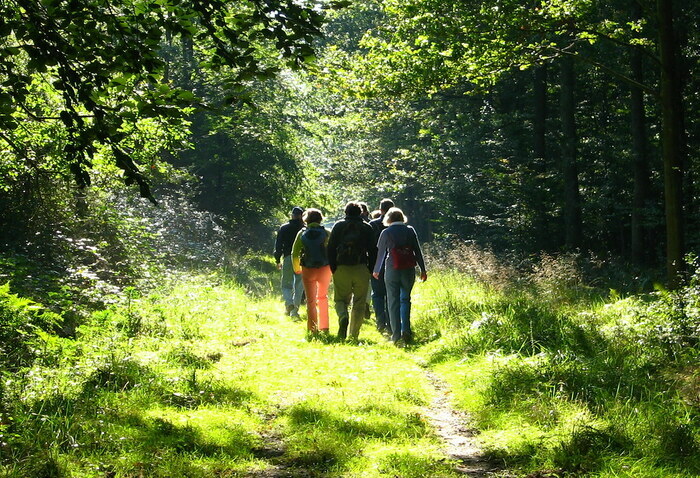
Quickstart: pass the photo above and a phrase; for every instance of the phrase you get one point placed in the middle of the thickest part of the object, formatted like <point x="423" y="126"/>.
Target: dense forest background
<point x="524" y="127"/>
<point x="142" y="140"/>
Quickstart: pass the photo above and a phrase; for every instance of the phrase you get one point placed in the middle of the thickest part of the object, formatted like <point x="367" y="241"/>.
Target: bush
<point x="21" y="321"/>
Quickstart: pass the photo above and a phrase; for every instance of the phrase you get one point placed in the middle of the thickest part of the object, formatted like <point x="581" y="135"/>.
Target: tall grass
<point x="206" y="379"/>
<point x="559" y="376"/>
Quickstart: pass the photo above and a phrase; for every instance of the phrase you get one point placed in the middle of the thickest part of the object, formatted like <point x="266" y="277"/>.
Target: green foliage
<point x="594" y="385"/>
<point x="23" y="325"/>
<point x="100" y="64"/>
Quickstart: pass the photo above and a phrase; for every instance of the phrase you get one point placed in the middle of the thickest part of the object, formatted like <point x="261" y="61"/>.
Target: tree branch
<point x="624" y="78"/>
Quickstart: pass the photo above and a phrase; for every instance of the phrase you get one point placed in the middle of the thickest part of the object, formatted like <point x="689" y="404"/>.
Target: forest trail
<point x="452" y="426"/>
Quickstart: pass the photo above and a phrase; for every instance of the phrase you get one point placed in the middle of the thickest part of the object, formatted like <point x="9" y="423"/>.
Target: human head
<point x="312" y="215"/>
<point x="385" y="205"/>
<point x="364" y="208"/>
<point x="375" y="214"/>
<point x="353" y="209"/>
<point x="297" y="212"/>
<point x="394" y="214"/>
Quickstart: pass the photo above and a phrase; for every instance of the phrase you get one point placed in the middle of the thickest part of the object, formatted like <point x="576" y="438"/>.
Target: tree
<point x="101" y="61"/>
<point x="430" y="46"/>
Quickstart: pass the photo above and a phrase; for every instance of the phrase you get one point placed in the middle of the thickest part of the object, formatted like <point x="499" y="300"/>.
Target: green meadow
<point x="206" y="377"/>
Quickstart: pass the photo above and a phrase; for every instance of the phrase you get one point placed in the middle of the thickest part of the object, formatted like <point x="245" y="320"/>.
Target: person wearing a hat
<point x="292" y="286"/>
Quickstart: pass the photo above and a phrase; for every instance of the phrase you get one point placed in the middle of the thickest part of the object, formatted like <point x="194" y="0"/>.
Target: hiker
<point x="310" y="259"/>
<point x="351" y="253"/>
<point x="379" y="302"/>
<point x="292" y="287"/>
<point x="400" y="250"/>
<point x="365" y="212"/>
<point x="365" y="215"/>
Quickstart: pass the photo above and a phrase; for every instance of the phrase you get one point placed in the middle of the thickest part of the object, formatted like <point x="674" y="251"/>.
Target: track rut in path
<point x="451" y="425"/>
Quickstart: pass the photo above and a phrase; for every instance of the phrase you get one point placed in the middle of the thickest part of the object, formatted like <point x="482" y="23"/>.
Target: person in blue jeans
<point x="379" y="303"/>
<point x="292" y="286"/>
<point x="400" y="252"/>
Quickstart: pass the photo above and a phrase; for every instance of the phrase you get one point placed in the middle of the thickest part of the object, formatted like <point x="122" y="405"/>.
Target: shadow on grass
<point x="110" y="419"/>
<point x="321" y="439"/>
<point x="380" y="422"/>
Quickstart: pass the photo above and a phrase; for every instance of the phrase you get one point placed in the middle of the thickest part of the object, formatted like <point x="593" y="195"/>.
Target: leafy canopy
<point x="100" y="68"/>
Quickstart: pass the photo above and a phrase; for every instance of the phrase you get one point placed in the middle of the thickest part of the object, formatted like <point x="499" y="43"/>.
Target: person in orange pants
<point x="310" y="259"/>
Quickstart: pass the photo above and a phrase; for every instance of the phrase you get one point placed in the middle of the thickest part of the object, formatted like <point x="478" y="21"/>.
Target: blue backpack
<point x="314" y="253"/>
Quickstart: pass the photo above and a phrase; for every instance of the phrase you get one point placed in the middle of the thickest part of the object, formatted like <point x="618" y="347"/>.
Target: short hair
<point x="386" y="204"/>
<point x="312" y="215"/>
<point x="353" y="208"/>
<point x="364" y="207"/>
<point x="394" y="215"/>
<point x="375" y="214"/>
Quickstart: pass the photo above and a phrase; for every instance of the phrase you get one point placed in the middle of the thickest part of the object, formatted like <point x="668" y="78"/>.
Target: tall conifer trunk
<point x="539" y="149"/>
<point x="572" y="197"/>
<point x="641" y="188"/>
<point x="672" y="142"/>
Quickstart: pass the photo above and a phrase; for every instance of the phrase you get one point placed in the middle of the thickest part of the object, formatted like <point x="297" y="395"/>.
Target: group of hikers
<point x="365" y="248"/>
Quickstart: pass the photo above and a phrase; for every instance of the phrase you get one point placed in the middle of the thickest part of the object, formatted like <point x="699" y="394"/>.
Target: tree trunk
<point x="572" y="198"/>
<point x="541" y="231"/>
<point x="672" y="142"/>
<point x="540" y="113"/>
<point x="641" y="188"/>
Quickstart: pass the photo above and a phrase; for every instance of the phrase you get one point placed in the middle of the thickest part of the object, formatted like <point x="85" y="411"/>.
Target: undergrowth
<point x="204" y="376"/>
<point x="560" y="374"/>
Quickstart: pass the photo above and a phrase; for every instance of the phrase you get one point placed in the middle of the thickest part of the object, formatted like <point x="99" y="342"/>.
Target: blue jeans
<point x="399" y="283"/>
<point x="381" y="312"/>
<point x="292" y="285"/>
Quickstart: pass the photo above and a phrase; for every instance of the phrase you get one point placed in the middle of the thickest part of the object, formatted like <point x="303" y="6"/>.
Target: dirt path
<point x="453" y="427"/>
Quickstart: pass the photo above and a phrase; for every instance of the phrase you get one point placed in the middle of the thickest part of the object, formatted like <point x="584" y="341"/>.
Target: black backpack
<point x="351" y="248"/>
<point x="314" y="253"/>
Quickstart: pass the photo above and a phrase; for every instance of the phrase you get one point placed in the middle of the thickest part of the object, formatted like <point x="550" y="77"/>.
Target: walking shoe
<point x="288" y="309"/>
<point x="294" y="313"/>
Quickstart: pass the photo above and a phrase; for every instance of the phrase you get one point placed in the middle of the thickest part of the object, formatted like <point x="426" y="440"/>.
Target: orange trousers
<point x="316" y="281"/>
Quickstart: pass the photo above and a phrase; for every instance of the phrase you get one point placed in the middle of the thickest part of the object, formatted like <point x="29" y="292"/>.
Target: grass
<point x="209" y="378"/>
<point x="585" y="386"/>
<point x="216" y="383"/>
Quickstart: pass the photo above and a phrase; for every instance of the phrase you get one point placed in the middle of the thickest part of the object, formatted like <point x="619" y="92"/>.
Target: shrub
<point x="21" y="320"/>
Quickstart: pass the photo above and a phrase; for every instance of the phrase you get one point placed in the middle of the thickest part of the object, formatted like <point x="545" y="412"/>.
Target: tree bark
<point x="572" y="197"/>
<point x="672" y="142"/>
<point x="539" y="148"/>
<point x="640" y="163"/>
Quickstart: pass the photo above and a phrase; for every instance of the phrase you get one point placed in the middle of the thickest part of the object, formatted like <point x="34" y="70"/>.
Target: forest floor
<point x="209" y="379"/>
<point x="308" y="406"/>
<point x="452" y="426"/>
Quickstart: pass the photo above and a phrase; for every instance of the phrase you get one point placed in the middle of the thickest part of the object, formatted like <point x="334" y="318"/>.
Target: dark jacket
<point x="285" y="238"/>
<point x="336" y="238"/>
<point x="377" y="226"/>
